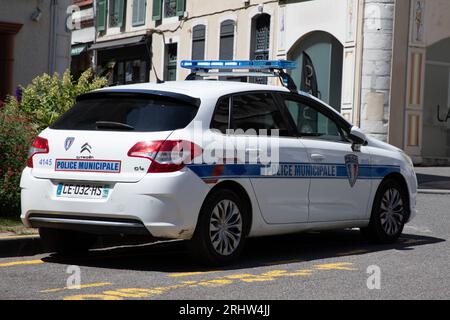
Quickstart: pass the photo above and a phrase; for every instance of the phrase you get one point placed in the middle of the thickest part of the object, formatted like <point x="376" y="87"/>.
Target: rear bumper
<point x="164" y="205"/>
<point x="89" y="225"/>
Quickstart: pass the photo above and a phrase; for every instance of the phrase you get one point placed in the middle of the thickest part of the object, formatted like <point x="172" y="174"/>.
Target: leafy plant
<point x="16" y="135"/>
<point x="42" y="102"/>
<point x="48" y="97"/>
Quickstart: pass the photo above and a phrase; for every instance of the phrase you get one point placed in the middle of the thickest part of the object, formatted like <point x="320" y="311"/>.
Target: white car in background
<point x="113" y="165"/>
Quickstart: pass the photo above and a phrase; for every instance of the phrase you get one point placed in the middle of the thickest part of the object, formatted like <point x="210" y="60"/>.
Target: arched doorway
<point x="436" y="111"/>
<point x="324" y="53"/>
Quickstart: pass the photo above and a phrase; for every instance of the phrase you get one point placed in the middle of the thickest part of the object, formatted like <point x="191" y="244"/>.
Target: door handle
<point x="256" y="152"/>
<point x="253" y="150"/>
<point x="317" y="157"/>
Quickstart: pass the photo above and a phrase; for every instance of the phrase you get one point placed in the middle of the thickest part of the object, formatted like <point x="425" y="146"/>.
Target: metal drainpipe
<point x="94" y="52"/>
<point x="52" y="36"/>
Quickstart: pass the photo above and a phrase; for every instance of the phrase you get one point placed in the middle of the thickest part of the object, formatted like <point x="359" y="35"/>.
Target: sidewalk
<point x="433" y="179"/>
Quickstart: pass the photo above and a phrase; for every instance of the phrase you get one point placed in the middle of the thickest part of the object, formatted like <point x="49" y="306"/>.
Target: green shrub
<point x="16" y="134"/>
<point x="43" y="101"/>
<point x="48" y="97"/>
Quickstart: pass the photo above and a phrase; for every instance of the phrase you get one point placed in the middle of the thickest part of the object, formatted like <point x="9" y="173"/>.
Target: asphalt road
<point x="331" y="265"/>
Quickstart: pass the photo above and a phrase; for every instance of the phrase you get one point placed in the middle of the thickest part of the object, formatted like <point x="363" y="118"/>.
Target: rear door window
<point x="257" y="111"/>
<point x="221" y="116"/>
<point x="131" y="112"/>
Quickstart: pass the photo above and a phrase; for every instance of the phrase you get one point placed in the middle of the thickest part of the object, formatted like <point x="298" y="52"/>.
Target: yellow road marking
<point x="284" y="273"/>
<point x="215" y="283"/>
<point x="272" y="275"/>
<point x="83" y="286"/>
<point x="133" y="292"/>
<point x="246" y="277"/>
<point x="335" y="266"/>
<point x="93" y="296"/>
<point x="19" y="263"/>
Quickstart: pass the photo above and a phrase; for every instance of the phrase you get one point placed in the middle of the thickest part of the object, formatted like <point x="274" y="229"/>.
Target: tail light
<point x="40" y="145"/>
<point x="166" y="156"/>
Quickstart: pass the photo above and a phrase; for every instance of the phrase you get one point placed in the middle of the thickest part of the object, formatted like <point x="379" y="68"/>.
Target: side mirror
<point x="357" y="136"/>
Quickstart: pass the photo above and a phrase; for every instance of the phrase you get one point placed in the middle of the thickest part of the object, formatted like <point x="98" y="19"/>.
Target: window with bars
<point x="116" y="13"/>
<point x="171" y="62"/>
<point x="167" y="9"/>
<point x="260" y="42"/>
<point x="170" y="8"/>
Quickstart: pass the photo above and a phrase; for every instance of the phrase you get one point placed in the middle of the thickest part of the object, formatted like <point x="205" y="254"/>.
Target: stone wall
<point x="376" y="69"/>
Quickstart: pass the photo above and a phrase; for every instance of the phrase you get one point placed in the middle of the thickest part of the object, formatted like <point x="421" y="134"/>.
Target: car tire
<point x="221" y="228"/>
<point x="389" y="213"/>
<point x="66" y="241"/>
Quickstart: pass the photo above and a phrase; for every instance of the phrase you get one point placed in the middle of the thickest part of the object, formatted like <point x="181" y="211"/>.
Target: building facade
<point x="122" y="48"/>
<point x="382" y="63"/>
<point x="34" y="39"/>
<point x="420" y="90"/>
<point x="226" y="30"/>
<point x="83" y="36"/>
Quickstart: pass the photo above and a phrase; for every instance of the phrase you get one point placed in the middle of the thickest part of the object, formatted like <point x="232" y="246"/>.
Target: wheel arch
<point x="242" y="193"/>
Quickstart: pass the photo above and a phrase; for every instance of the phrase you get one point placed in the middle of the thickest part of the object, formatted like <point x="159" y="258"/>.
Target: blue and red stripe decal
<point x="289" y="170"/>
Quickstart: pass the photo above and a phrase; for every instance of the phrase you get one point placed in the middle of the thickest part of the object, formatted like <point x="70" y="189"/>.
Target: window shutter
<point x="157" y="13"/>
<point x="181" y="4"/>
<point x="139" y="10"/>
<point x="120" y="12"/>
<point x="198" y="42"/>
<point x="226" y="40"/>
<point x="101" y="15"/>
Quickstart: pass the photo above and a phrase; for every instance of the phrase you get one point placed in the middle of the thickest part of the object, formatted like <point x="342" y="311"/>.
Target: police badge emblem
<point x="352" y="165"/>
<point x="68" y="143"/>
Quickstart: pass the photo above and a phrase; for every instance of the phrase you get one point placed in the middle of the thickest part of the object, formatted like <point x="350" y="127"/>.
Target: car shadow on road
<point x="173" y="257"/>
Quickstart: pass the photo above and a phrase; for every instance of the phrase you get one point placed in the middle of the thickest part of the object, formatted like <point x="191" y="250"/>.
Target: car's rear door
<point x="340" y="177"/>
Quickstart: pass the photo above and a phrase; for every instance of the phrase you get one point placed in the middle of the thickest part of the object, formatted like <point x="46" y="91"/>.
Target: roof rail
<point x="256" y="68"/>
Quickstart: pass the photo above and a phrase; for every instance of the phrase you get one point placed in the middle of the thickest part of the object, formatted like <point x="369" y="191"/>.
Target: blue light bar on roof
<point x="238" y="64"/>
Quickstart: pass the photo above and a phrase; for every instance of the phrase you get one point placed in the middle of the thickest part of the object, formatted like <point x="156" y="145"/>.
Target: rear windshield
<point x="117" y="112"/>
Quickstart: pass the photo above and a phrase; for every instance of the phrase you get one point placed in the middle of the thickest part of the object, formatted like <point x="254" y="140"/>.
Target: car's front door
<point x="340" y="177"/>
<point x="282" y="194"/>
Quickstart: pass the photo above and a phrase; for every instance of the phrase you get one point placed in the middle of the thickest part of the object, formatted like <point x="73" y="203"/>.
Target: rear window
<point x="130" y="112"/>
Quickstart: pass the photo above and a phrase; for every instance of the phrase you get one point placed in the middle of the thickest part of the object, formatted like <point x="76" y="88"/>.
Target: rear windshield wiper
<point x="113" y="125"/>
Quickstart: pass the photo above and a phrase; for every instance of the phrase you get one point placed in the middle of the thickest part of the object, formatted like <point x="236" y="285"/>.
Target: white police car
<point x="162" y="160"/>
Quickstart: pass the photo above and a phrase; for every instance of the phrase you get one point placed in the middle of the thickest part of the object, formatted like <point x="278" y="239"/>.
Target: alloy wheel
<point x="225" y="227"/>
<point x="392" y="211"/>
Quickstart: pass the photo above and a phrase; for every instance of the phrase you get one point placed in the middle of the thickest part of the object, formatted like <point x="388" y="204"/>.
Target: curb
<point x="15" y="246"/>
<point x="433" y="191"/>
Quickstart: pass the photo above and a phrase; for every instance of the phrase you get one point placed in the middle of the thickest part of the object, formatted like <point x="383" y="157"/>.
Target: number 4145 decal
<point x="46" y="162"/>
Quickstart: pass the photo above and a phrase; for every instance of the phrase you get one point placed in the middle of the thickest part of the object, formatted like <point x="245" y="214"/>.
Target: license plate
<point x="82" y="191"/>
